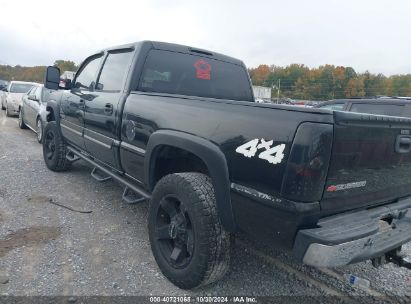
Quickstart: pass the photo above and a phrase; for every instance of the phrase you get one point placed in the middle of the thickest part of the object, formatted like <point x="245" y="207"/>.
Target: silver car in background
<point x="14" y="94"/>
<point x="33" y="113"/>
<point x="3" y="88"/>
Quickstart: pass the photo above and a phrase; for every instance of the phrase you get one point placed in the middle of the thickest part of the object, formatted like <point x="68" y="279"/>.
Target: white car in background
<point x="14" y="94"/>
<point x="3" y="88"/>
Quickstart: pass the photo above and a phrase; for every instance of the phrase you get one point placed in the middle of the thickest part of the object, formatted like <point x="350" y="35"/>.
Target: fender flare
<point x="212" y="157"/>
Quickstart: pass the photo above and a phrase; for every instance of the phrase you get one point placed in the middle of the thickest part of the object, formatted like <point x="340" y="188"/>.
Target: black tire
<point x="39" y="130"/>
<point x="2" y="106"/>
<point x="54" y="148"/>
<point x="194" y="228"/>
<point x="22" y="125"/>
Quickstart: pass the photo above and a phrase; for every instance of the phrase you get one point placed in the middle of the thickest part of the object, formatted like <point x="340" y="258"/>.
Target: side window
<point x="114" y="71"/>
<point x="336" y="107"/>
<point x="38" y="93"/>
<point x="379" y="109"/>
<point x="45" y="93"/>
<point x="194" y="75"/>
<point x="87" y="76"/>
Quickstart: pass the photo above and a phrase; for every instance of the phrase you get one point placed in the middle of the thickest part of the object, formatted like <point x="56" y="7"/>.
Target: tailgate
<point x="370" y="162"/>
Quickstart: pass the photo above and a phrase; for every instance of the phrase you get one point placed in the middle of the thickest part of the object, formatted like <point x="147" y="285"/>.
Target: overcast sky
<point x="369" y="35"/>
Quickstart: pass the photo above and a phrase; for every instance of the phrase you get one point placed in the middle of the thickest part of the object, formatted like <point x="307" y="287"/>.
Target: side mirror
<point x="99" y="86"/>
<point x="52" y="78"/>
<point x="32" y="97"/>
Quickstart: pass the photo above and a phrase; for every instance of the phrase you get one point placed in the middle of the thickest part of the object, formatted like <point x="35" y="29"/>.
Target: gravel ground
<point x="47" y="250"/>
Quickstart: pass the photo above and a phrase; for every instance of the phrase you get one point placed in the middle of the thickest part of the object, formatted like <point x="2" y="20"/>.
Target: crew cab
<point x="178" y="127"/>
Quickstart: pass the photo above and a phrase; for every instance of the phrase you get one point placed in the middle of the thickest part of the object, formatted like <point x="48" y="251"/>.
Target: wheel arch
<point x="53" y="109"/>
<point x="206" y="151"/>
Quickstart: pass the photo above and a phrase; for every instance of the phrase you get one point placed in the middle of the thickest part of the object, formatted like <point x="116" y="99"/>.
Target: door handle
<point x="108" y="108"/>
<point x="403" y="144"/>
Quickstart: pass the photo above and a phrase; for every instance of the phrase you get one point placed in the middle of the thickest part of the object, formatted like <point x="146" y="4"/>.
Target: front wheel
<point x="187" y="238"/>
<point x="22" y="125"/>
<point x="55" y="149"/>
<point x="39" y="130"/>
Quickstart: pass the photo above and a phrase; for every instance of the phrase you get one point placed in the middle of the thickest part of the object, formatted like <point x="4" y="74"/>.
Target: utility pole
<point x="278" y="90"/>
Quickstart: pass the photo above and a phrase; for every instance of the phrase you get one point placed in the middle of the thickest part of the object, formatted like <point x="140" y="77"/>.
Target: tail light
<point x="307" y="165"/>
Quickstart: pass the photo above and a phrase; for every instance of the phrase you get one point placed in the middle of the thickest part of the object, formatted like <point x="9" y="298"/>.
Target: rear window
<point x="185" y="74"/>
<point x="381" y="109"/>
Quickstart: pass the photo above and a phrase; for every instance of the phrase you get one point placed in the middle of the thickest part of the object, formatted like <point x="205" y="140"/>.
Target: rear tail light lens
<point x="307" y="165"/>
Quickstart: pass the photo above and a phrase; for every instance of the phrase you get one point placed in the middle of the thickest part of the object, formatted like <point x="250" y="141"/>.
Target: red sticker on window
<point x="203" y="69"/>
<point x="331" y="188"/>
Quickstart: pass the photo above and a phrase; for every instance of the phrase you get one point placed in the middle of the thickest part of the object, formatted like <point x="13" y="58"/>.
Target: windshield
<point x="20" y="87"/>
<point x="184" y="74"/>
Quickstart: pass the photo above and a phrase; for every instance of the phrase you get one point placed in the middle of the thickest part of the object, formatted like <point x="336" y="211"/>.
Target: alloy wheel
<point x="50" y="144"/>
<point x="39" y="130"/>
<point x="174" y="232"/>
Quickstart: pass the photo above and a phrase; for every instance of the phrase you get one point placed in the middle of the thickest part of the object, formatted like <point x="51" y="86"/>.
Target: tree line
<point x="35" y="74"/>
<point x="298" y="81"/>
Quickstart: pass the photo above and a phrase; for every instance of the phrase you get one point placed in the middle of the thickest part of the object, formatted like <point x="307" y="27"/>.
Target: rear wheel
<point x="22" y="125"/>
<point x="39" y="130"/>
<point x="188" y="241"/>
<point x="55" y="149"/>
<point x="2" y="106"/>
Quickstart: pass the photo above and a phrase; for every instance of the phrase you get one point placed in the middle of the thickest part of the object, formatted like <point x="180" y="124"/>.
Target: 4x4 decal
<point x="274" y="155"/>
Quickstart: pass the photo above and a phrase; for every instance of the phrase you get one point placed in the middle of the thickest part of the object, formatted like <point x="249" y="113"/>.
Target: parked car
<point x="3" y="84"/>
<point x="178" y="126"/>
<point x="3" y="89"/>
<point x="380" y="106"/>
<point x="33" y="113"/>
<point x="14" y="95"/>
<point x="305" y="103"/>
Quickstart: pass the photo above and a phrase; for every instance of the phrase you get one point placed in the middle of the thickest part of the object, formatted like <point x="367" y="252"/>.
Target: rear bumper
<point x="355" y="236"/>
<point x="13" y="108"/>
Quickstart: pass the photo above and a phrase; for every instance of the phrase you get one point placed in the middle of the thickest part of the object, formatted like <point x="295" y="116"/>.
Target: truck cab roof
<point x="173" y="47"/>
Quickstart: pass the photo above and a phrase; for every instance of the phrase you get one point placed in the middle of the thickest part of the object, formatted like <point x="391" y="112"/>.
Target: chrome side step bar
<point x="96" y="174"/>
<point x="71" y="156"/>
<point x="130" y="197"/>
<point x="128" y="186"/>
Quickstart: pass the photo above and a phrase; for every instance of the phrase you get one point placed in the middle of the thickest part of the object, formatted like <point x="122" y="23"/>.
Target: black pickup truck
<point x="178" y="127"/>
